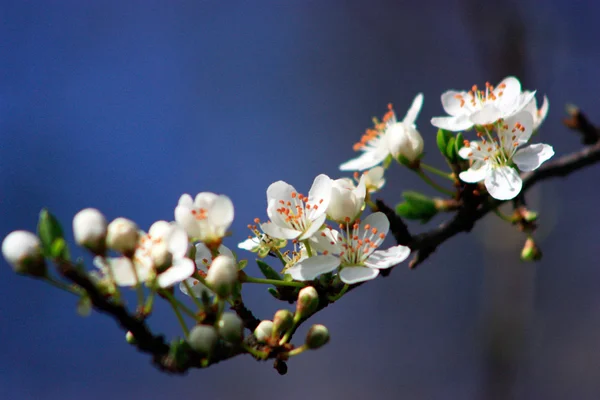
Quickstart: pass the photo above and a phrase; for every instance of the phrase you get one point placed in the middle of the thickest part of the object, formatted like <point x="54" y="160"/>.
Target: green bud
<point x="84" y="306"/>
<point x="129" y="338"/>
<point x="203" y="339"/>
<point x="530" y="251"/>
<point x="264" y="330"/>
<point x="318" y="336"/>
<point x="459" y="143"/>
<point x="282" y="322"/>
<point x="417" y="207"/>
<point x="308" y="301"/>
<point x="231" y="327"/>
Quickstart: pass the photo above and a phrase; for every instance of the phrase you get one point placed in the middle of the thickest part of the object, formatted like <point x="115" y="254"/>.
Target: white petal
<point x="452" y="104"/>
<point x="314" y="227"/>
<point x="280" y="190"/>
<point x="160" y="230"/>
<point x="542" y="113"/>
<point x="327" y="240"/>
<point x="221" y="213"/>
<point x="205" y="199"/>
<point x="352" y="275"/>
<point x="185" y="200"/>
<point x="195" y="285"/>
<point x="388" y="258"/>
<point x="181" y="269"/>
<point x="503" y="183"/>
<point x="319" y="196"/>
<point x="454" y="124"/>
<point x="532" y="156"/>
<point x="510" y="93"/>
<point x="523" y="118"/>
<point x="309" y="268"/>
<point x="465" y="152"/>
<point x="478" y="171"/>
<point x="487" y="115"/>
<point x="123" y="272"/>
<point x="278" y="232"/>
<point x="368" y="159"/>
<point x="413" y="111"/>
<point x="377" y="220"/>
<point x="249" y="244"/>
<point x="178" y="241"/>
<point x="185" y="219"/>
<point x="203" y="254"/>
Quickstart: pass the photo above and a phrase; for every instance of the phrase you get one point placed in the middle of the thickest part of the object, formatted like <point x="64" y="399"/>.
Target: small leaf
<point x="267" y="271"/>
<point x="387" y="161"/>
<point x="84" y="306"/>
<point x="459" y="143"/>
<point x="416" y="206"/>
<point x="59" y="250"/>
<point x="442" y="141"/>
<point x="49" y="230"/>
<point x="273" y="292"/>
<point x="242" y="264"/>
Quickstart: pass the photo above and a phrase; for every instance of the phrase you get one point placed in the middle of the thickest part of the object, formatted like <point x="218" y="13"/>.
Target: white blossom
<point x="538" y="114"/>
<point x="347" y="200"/>
<point x="374" y="179"/>
<point x="206" y="218"/>
<point x="204" y="258"/>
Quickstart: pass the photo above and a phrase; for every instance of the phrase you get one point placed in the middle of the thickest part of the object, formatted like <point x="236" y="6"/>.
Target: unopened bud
<point x="264" y="330"/>
<point x="308" y="300"/>
<point x="203" y="339"/>
<point x="531" y="251"/>
<point x="231" y="327"/>
<point x="129" y="338"/>
<point x="282" y="322"/>
<point x="89" y="229"/>
<point x="222" y="275"/>
<point x="23" y="251"/>
<point x="161" y="256"/>
<point x="530" y="216"/>
<point x="318" y="336"/>
<point x="122" y="236"/>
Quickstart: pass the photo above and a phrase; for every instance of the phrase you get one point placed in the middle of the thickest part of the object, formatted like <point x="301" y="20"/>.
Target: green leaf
<point x="242" y="264"/>
<point x="459" y="143"/>
<point x="442" y="141"/>
<point x="49" y="230"/>
<point x="59" y="250"/>
<point x="450" y="153"/>
<point x="84" y="306"/>
<point x="267" y="271"/>
<point x="416" y="206"/>
<point x="387" y="161"/>
<point x="273" y="292"/>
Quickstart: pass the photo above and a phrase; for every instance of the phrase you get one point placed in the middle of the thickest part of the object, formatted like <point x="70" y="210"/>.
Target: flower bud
<point x="531" y="251"/>
<point x="231" y="327"/>
<point x="308" y="300"/>
<point x="161" y="256"/>
<point x="89" y="228"/>
<point x="222" y="275"/>
<point x="23" y="251"/>
<point x="129" y="338"/>
<point x="282" y="322"/>
<point x="203" y="339"/>
<point x="122" y="236"/>
<point x="404" y="141"/>
<point x="374" y="179"/>
<point x="264" y="330"/>
<point x="346" y="201"/>
<point x="318" y="336"/>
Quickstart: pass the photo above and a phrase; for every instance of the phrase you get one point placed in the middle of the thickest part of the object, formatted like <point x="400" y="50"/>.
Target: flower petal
<point x="319" y="196"/>
<point x="454" y="124"/>
<point x="196" y="286"/>
<point x="511" y="90"/>
<point x="181" y="269"/>
<point x="178" y="241"/>
<point x="387" y="258"/>
<point x="368" y="159"/>
<point x="503" y="183"/>
<point x="453" y="103"/>
<point x="356" y="274"/>
<point x="478" y="172"/>
<point x="487" y="115"/>
<point x="525" y="120"/>
<point x="221" y="213"/>
<point x="531" y="157"/>
<point x="186" y="200"/>
<point x="309" y="268"/>
<point x="377" y="220"/>
<point x="314" y="227"/>
<point x="249" y="244"/>
<point x="278" y="232"/>
<point x="185" y="219"/>
<point x="413" y="111"/>
<point x="327" y="240"/>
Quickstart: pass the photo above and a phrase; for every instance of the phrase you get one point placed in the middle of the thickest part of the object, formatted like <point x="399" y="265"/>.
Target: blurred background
<point x="124" y="106"/>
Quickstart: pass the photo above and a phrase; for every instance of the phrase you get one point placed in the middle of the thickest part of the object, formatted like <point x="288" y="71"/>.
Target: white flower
<point x="165" y="244"/>
<point x="354" y="251"/>
<point x="122" y="235"/>
<point x="389" y="137"/>
<point x="347" y="200"/>
<point x="250" y="244"/>
<point x="89" y="229"/>
<point x="538" y="114"/>
<point x="293" y="215"/>
<point x="492" y="159"/>
<point x="482" y="107"/>
<point x="23" y="251"/>
<point x="203" y="260"/>
<point x="206" y="218"/>
<point x="374" y="178"/>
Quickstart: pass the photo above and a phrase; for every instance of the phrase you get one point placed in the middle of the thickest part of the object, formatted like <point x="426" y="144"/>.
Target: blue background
<point x="124" y="106"/>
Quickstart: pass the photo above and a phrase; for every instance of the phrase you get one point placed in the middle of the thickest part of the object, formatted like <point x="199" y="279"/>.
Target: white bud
<point x="282" y="322"/>
<point x="231" y="327"/>
<point x="318" y="335"/>
<point x="161" y="256"/>
<point x="405" y="141"/>
<point x="122" y="235"/>
<point x="89" y="228"/>
<point x="203" y="339"/>
<point x="264" y="330"/>
<point x="23" y="251"/>
<point x="308" y="300"/>
<point x="346" y="201"/>
<point x="222" y="275"/>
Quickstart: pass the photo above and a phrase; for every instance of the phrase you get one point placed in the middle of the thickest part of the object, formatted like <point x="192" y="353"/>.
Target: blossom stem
<point x="202" y="280"/>
<point x="274" y="282"/>
<point x="191" y="293"/>
<point x="308" y="249"/>
<point x="503" y="216"/>
<point x="262" y="355"/>
<point x="280" y="256"/>
<point x="63" y="286"/>
<point x="177" y="304"/>
<point x="111" y="277"/>
<point x="432" y="183"/>
<point x="436" y="171"/>
<point x="297" y="350"/>
<point x="179" y="318"/>
<point x="340" y="294"/>
<point x="149" y="302"/>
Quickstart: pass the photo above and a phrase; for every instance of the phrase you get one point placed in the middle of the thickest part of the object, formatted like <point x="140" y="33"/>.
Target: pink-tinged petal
<point x="353" y="274"/>
<point x="185" y="219"/>
<point x="487" y="115"/>
<point x="280" y="190"/>
<point x="503" y="183"/>
<point x="413" y="111"/>
<point x="377" y="220"/>
<point x="319" y="196"/>
<point x="366" y="160"/>
<point x="278" y="232"/>
<point x="454" y="124"/>
<point x="510" y="92"/>
<point x="186" y="200"/>
<point x="531" y="157"/>
<point x="178" y="243"/>
<point x="478" y="172"/>
<point x="181" y="269"/>
<point x="388" y="258"/>
<point x="453" y="103"/>
<point x="310" y="268"/>
<point x="314" y="227"/>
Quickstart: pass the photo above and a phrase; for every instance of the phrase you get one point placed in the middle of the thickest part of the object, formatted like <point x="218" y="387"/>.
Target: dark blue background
<point x="124" y="106"/>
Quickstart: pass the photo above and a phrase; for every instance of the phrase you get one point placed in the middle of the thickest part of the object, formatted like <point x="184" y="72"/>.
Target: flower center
<point x="356" y="243"/>
<point x="200" y="213"/>
<point x="477" y="98"/>
<point x="372" y="135"/>
<point x="294" y="211"/>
